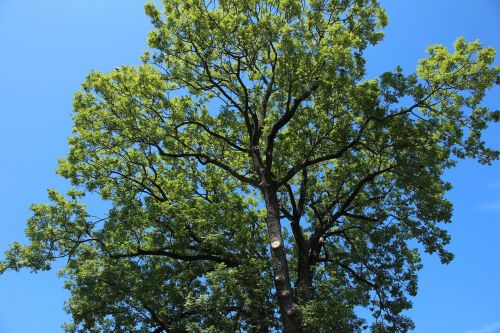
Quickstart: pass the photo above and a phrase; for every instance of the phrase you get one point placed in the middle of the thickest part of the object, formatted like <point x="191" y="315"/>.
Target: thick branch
<point x="294" y="170"/>
<point x="322" y="228"/>
<point x="285" y="118"/>
<point x="214" y="134"/>
<point x="205" y="159"/>
<point x="164" y="253"/>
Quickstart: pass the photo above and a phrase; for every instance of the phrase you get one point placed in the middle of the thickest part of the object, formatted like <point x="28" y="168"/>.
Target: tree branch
<point x="164" y="253"/>
<point x="214" y="134"/>
<point x="285" y="118"/>
<point x="205" y="159"/>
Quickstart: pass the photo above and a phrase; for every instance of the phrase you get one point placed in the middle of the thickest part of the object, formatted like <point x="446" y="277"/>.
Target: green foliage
<point x="236" y="101"/>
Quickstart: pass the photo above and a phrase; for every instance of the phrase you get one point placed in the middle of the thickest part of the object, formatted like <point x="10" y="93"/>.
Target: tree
<point x="256" y="180"/>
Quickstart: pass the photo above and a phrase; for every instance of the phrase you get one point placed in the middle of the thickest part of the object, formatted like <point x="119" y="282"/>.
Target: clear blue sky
<point x="47" y="48"/>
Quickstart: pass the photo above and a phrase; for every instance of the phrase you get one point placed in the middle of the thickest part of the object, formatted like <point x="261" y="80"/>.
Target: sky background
<point x="48" y="47"/>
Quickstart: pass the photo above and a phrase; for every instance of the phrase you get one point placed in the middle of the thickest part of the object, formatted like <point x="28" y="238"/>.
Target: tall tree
<point x="256" y="180"/>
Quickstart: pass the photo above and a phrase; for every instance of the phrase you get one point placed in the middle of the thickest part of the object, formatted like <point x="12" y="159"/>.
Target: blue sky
<point x="47" y="48"/>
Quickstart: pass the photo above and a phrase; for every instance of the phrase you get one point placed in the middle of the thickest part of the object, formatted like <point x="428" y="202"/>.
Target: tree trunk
<point x="305" y="276"/>
<point x="284" y="293"/>
<point x="304" y="285"/>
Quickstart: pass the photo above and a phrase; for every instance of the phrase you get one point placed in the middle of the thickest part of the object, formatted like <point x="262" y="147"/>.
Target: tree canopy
<point x="256" y="180"/>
